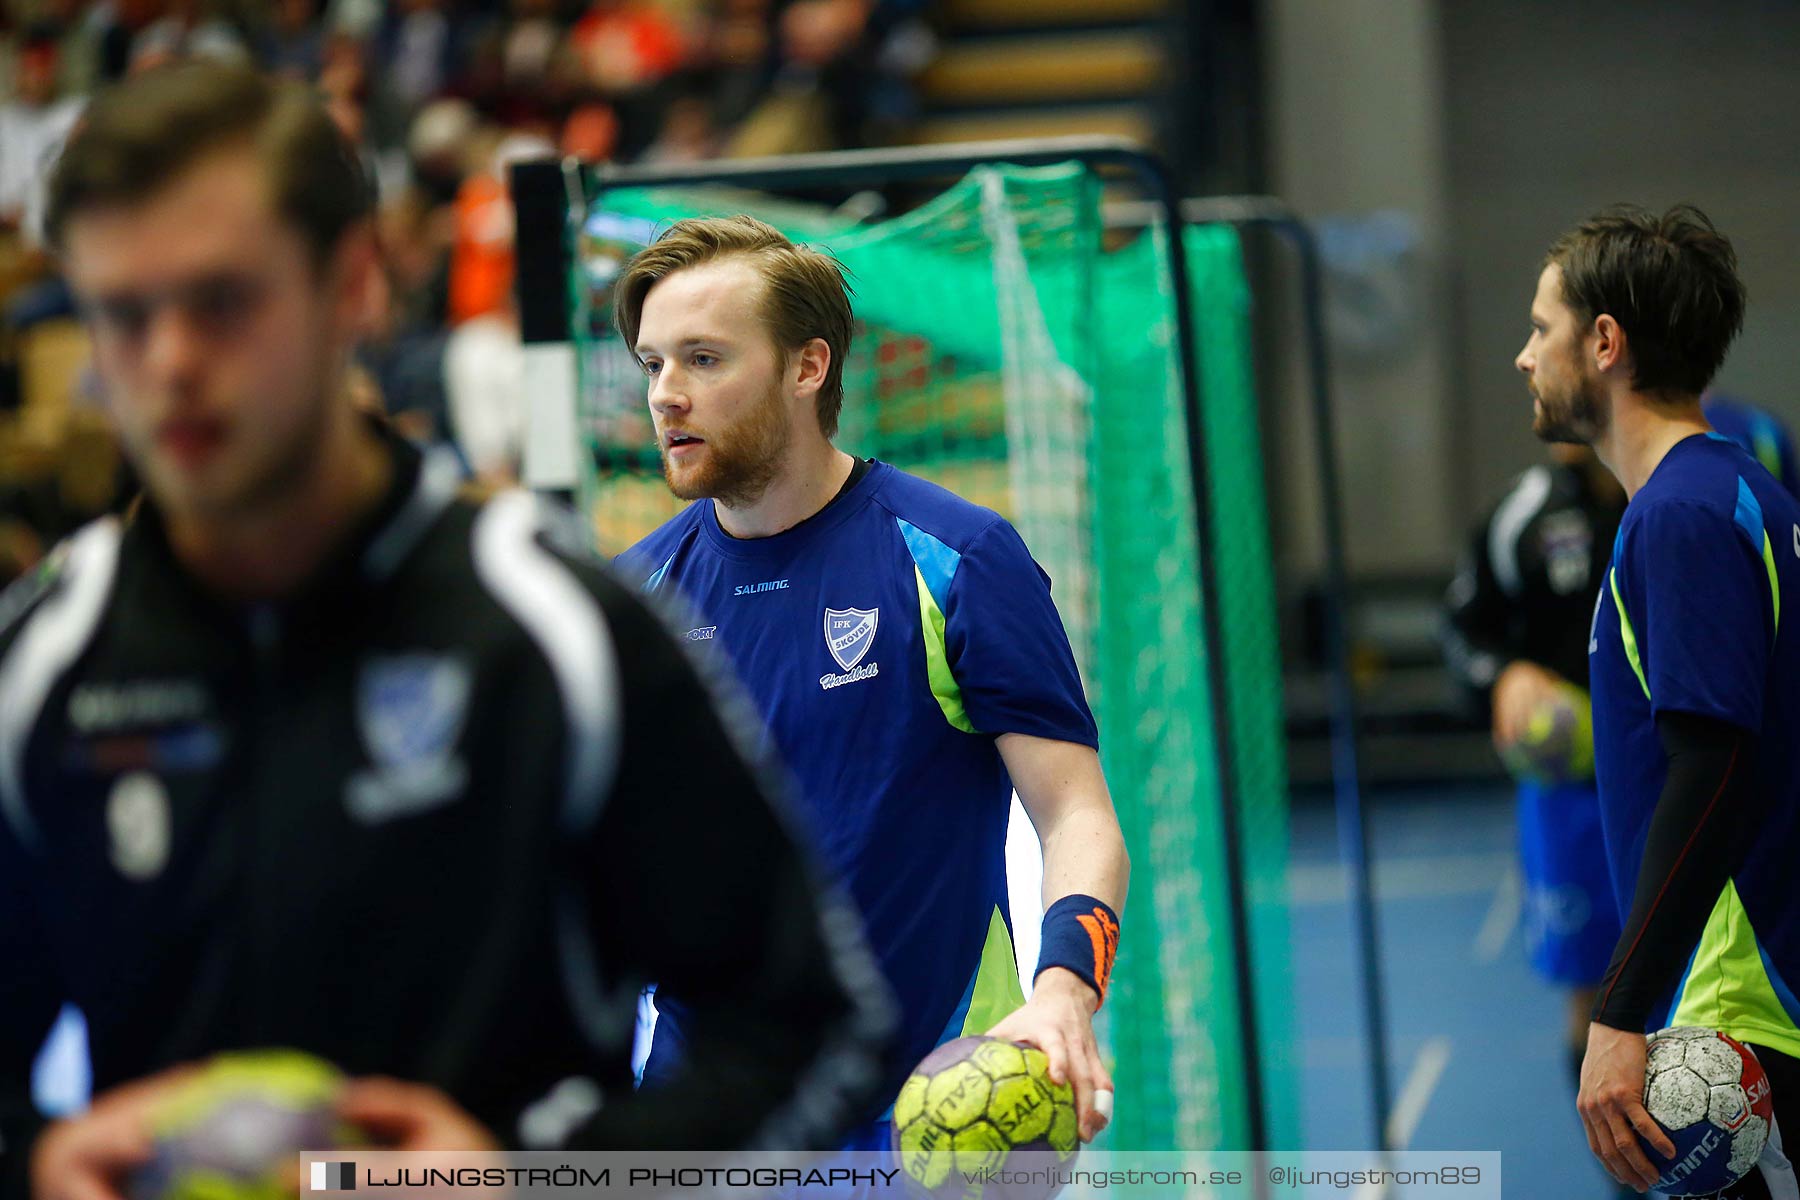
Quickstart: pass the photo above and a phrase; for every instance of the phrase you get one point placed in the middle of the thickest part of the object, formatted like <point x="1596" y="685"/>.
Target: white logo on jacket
<point x="137" y="826"/>
<point x="411" y="709"/>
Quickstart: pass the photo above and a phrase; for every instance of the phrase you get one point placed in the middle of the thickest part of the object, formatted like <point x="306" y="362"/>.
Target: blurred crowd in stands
<point x="441" y="95"/>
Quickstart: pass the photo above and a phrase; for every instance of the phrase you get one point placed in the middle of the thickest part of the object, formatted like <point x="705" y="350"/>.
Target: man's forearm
<point x="1697" y="838"/>
<point x="1084" y="854"/>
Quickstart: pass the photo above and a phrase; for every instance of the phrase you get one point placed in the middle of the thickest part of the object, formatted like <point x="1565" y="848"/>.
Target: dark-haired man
<point x="899" y="641"/>
<point x="314" y="752"/>
<point x="1695" y="673"/>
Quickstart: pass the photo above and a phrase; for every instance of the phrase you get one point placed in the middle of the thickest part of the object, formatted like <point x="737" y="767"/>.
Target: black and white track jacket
<point x="438" y="816"/>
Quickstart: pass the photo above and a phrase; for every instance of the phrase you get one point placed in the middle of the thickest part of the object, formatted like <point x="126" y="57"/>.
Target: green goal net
<point x="1013" y="350"/>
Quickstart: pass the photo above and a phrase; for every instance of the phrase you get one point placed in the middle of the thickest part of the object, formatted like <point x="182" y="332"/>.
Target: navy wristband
<point x="1081" y="934"/>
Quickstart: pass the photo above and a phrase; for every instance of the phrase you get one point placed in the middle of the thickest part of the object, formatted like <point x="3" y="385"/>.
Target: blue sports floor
<point x="1475" y="1038"/>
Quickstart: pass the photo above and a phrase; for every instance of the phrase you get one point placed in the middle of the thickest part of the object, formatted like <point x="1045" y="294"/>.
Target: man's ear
<point x="811" y="363"/>
<point x="359" y="280"/>
<point x="1606" y="342"/>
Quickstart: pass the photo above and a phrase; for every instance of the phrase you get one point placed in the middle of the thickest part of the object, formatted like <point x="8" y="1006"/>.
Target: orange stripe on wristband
<point x="1103" y="933"/>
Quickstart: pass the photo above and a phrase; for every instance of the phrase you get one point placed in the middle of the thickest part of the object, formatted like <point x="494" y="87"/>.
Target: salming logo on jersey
<point x="767" y="585"/>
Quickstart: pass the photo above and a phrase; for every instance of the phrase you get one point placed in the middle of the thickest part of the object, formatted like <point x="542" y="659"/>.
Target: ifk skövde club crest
<point x="412" y="707"/>
<point x="849" y="632"/>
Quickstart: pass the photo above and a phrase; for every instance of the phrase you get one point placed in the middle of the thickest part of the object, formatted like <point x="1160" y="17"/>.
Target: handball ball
<point x="1711" y="1097"/>
<point x="235" y="1129"/>
<point x="970" y="1104"/>
<point x="1558" y="743"/>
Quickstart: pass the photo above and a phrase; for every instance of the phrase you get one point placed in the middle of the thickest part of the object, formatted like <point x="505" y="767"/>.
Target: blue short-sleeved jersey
<point x="1691" y="619"/>
<point x="886" y="641"/>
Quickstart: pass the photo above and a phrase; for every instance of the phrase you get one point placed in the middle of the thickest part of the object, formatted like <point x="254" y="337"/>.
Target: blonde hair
<point x="805" y="294"/>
